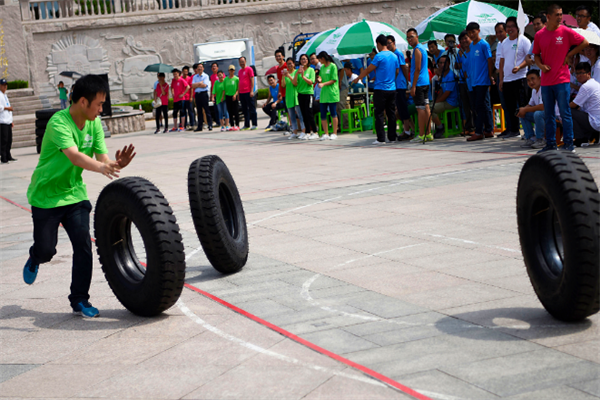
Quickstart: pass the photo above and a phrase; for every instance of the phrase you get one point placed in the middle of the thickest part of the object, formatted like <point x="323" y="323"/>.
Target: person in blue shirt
<point x="480" y="68"/>
<point x="435" y="51"/>
<point x="401" y="86"/>
<point x="419" y="89"/>
<point x="384" y="96"/>
<point x="447" y="98"/>
<point x="274" y="102"/>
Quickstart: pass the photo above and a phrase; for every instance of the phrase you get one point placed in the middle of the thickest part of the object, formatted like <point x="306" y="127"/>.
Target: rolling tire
<point x="41" y="123"/>
<point x="218" y="214"/>
<point x="145" y="290"/>
<point x="39" y="132"/>
<point x="46" y="113"/>
<point x="558" y="214"/>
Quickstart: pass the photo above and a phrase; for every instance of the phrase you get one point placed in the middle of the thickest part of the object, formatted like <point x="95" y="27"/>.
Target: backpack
<point x="281" y="126"/>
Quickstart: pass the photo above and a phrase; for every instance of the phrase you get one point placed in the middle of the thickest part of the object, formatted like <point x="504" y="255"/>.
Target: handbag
<point x="157" y="103"/>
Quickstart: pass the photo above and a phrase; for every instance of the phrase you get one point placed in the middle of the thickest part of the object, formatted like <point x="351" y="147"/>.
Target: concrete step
<point x="24" y="128"/>
<point x="28" y="109"/>
<point x="15" y="93"/>
<point x="25" y="101"/>
<point x="27" y="143"/>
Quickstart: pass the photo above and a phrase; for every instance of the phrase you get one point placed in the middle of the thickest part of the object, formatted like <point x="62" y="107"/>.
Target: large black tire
<point x="38" y="139"/>
<point x="39" y="132"/>
<point x="558" y="213"/>
<point x="38" y="147"/>
<point x="41" y="123"/>
<point x="145" y="290"/>
<point x="46" y="113"/>
<point x="218" y="214"/>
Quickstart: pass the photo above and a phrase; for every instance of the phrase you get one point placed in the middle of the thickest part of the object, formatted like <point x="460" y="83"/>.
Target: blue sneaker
<point x="548" y="147"/>
<point x="85" y="309"/>
<point x="30" y="272"/>
<point x="568" y="147"/>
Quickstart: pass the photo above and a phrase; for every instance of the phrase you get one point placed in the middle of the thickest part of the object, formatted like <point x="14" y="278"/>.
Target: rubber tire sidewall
<point x="46" y="113"/>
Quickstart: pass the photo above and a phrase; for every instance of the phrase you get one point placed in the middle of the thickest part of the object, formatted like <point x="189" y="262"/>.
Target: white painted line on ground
<point x="472" y="242"/>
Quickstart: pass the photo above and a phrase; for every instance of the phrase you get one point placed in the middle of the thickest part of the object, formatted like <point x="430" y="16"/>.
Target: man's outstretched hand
<point x="125" y="156"/>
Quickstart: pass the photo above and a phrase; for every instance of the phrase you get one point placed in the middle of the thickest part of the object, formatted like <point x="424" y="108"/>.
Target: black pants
<point x="384" y="101"/>
<point x="202" y="104"/>
<point x="164" y="110"/>
<point x="466" y="107"/>
<point x="190" y="115"/>
<point x="514" y="97"/>
<point x="272" y="112"/>
<point x="249" y="109"/>
<point x="305" y="103"/>
<point x="5" y="142"/>
<point x="232" y="109"/>
<point x="402" y="105"/>
<point x="75" y="218"/>
<point x="582" y="129"/>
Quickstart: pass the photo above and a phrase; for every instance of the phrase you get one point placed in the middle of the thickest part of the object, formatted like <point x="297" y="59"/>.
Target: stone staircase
<point x="26" y="104"/>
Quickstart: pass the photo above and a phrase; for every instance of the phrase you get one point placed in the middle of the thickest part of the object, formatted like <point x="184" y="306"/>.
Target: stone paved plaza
<point x="403" y="259"/>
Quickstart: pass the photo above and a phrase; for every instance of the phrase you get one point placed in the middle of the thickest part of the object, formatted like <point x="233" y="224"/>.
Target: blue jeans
<point x="558" y="94"/>
<point x="537" y="118"/>
<point x="222" y="109"/>
<point x="64" y="104"/>
<point x="294" y="113"/>
<point x="480" y="99"/>
<point x="75" y="218"/>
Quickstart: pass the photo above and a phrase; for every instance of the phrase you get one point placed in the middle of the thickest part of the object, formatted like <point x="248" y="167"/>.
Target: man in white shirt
<point x="500" y="30"/>
<point x="585" y="108"/>
<point x="6" y="125"/>
<point x="583" y="14"/>
<point x="533" y="113"/>
<point x="513" y="52"/>
<point x="202" y="89"/>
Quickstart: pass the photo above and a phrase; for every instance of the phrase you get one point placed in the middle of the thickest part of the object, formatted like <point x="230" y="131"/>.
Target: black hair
<point x="534" y="72"/>
<point x="220" y="71"/>
<point x="185" y="67"/>
<point x="552" y="8"/>
<point x="472" y="26"/>
<point x="304" y="55"/>
<point x="347" y="65"/>
<point x="312" y="54"/>
<point x="412" y="30"/>
<point x="408" y="55"/>
<point x="391" y="38"/>
<point x="382" y="40"/>
<point x="279" y="50"/>
<point x="270" y="76"/>
<point x="175" y="70"/>
<point x="243" y="58"/>
<point x="161" y="74"/>
<point x="195" y="66"/>
<point x="514" y="21"/>
<point x="450" y="35"/>
<point x="462" y="35"/>
<point x="88" y="87"/>
<point x="433" y="42"/>
<point x="325" y="56"/>
<point x="585" y="8"/>
<point x="290" y="59"/>
<point x="542" y="18"/>
<point x="584" y="66"/>
<point x="214" y="64"/>
<point x="61" y="82"/>
<point x="502" y="24"/>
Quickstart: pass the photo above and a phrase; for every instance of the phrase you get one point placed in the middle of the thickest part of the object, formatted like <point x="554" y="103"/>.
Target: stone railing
<point x="46" y="11"/>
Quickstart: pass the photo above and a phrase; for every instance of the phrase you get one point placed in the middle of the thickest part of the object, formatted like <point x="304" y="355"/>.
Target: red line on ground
<point x="362" y="368"/>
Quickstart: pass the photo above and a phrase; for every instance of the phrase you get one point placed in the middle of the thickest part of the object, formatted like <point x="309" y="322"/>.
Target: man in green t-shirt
<point x="63" y="95"/>
<point x="57" y="193"/>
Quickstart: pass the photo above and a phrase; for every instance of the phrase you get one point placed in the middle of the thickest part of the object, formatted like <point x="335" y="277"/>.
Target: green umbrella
<point x="357" y="39"/>
<point x="159" y="68"/>
<point x="454" y="19"/>
<point x="314" y="42"/>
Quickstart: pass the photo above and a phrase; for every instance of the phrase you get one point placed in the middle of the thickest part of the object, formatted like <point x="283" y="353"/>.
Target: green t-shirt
<point x="303" y="87"/>
<point x="56" y="182"/>
<point x="330" y="93"/>
<point x="231" y="85"/>
<point x="62" y="93"/>
<point x="291" y="94"/>
<point x="219" y="91"/>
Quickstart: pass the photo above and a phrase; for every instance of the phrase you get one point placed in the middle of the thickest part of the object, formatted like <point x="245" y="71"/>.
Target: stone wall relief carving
<point x="129" y="75"/>
<point x="78" y="53"/>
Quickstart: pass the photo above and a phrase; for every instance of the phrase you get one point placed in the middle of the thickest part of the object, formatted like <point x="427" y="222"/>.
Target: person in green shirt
<point x="218" y="97"/>
<point x="232" y="92"/>
<point x="57" y="193"/>
<point x="330" y="93"/>
<point x="291" y="99"/>
<point x="63" y="95"/>
<point x="305" y="82"/>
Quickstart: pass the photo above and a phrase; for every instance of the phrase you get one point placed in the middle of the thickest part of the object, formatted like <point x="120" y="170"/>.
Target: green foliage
<point x="534" y="7"/>
<point x="262" y="94"/>
<point x="18" y="84"/>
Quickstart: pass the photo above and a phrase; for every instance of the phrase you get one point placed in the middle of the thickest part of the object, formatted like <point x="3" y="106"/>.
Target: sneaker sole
<point x="85" y="316"/>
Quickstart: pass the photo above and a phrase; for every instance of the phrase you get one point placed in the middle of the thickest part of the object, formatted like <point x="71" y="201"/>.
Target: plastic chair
<point x="354" y="121"/>
<point x="320" y="125"/>
<point x="501" y="127"/>
<point x="452" y="122"/>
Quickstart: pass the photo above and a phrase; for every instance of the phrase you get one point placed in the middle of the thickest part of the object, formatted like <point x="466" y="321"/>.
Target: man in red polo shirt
<point x="551" y="50"/>
<point x="246" y="88"/>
